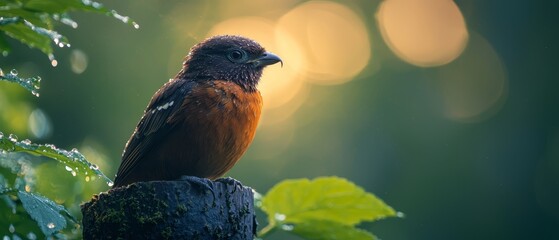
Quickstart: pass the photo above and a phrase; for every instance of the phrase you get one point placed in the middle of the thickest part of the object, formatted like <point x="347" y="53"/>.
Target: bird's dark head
<point x="232" y="58"/>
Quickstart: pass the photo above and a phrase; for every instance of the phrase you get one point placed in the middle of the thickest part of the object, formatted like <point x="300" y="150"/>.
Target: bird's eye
<point x="237" y="55"/>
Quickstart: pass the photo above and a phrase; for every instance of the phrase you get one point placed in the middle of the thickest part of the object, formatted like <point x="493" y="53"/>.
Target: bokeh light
<point x="39" y="124"/>
<point x="333" y="38"/>
<point x="78" y="61"/>
<point x="423" y="32"/>
<point x="475" y="85"/>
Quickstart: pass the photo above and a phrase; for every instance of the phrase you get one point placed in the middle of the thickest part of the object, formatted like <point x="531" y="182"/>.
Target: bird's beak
<point x="267" y="59"/>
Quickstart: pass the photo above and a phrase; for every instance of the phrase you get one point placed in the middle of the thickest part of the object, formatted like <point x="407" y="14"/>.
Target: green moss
<point x="167" y="233"/>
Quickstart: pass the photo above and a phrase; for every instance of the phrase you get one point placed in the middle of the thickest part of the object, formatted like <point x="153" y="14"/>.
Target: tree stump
<point x="189" y="208"/>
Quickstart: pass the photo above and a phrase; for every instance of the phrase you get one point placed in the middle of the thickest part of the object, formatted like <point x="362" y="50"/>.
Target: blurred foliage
<point x="322" y="208"/>
<point x="27" y="213"/>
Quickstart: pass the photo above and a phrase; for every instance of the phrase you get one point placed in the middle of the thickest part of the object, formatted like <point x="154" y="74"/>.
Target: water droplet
<point x="26" y="142"/>
<point x="31" y="236"/>
<point x="86" y="2"/>
<point x="53" y="61"/>
<point x="14" y="72"/>
<point x="12" y="138"/>
<point x="74" y="173"/>
<point x="51" y="225"/>
<point x="1" y="135"/>
<point x="68" y="168"/>
<point x="136" y="26"/>
<point x="94" y="167"/>
<point x="287" y="227"/>
<point x="110" y="184"/>
<point x="61" y="45"/>
<point x="87" y="178"/>
<point x="51" y="146"/>
<point x="280" y="217"/>
<point x="69" y="22"/>
<point x="400" y="214"/>
<point x="12" y="229"/>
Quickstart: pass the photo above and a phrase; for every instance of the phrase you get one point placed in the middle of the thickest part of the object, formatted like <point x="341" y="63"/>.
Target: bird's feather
<point x="153" y="126"/>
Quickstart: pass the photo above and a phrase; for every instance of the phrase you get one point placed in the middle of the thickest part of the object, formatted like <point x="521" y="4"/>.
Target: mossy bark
<point x="189" y="208"/>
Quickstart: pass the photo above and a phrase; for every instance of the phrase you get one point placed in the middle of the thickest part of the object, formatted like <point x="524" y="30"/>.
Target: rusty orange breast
<point x="215" y="124"/>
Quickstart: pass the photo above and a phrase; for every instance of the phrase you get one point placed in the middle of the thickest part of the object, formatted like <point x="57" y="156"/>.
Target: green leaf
<point x="32" y="84"/>
<point x="63" y="6"/>
<point x="75" y="161"/>
<point x="4" y="45"/>
<point x="326" y="230"/>
<point x="322" y="199"/>
<point x="31" y="21"/>
<point x="26" y="32"/>
<point x="44" y="211"/>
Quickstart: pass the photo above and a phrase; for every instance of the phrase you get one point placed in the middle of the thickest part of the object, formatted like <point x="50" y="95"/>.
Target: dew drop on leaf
<point x="280" y="217"/>
<point x="287" y="227"/>
<point x="94" y="167"/>
<point x="51" y="225"/>
<point x="12" y="228"/>
<point x="14" y="72"/>
<point x="12" y="138"/>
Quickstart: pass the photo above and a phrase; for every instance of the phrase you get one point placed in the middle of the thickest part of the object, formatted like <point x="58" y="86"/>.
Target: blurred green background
<point x="447" y="110"/>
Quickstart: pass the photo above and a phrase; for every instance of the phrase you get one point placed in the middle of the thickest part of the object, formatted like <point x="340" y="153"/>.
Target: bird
<point x="202" y="121"/>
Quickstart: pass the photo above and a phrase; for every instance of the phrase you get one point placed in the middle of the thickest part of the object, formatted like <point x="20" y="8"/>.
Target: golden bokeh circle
<point x="424" y="33"/>
<point x="475" y="85"/>
<point x="332" y="37"/>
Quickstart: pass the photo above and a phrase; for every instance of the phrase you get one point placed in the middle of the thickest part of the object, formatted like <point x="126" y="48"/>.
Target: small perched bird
<point x="202" y="121"/>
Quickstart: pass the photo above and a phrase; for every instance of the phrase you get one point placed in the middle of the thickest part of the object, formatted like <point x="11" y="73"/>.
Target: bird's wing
<point x="154" y="124"/>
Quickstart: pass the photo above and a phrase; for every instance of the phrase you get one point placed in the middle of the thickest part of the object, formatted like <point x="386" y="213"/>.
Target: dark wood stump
<point x="189" y="208"/>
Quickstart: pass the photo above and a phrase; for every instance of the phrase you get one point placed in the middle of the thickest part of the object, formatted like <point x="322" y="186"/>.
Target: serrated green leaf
<point x="31" y="21"/>
<point x="323" y="199"/>
<point x="326" y="230"/>
<point x="31" y="38"/>
<point x="36" y="18"/>
<point x="75" y="161"/>
<point x="32" y="84"/>
<point x="44" y="211"/>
